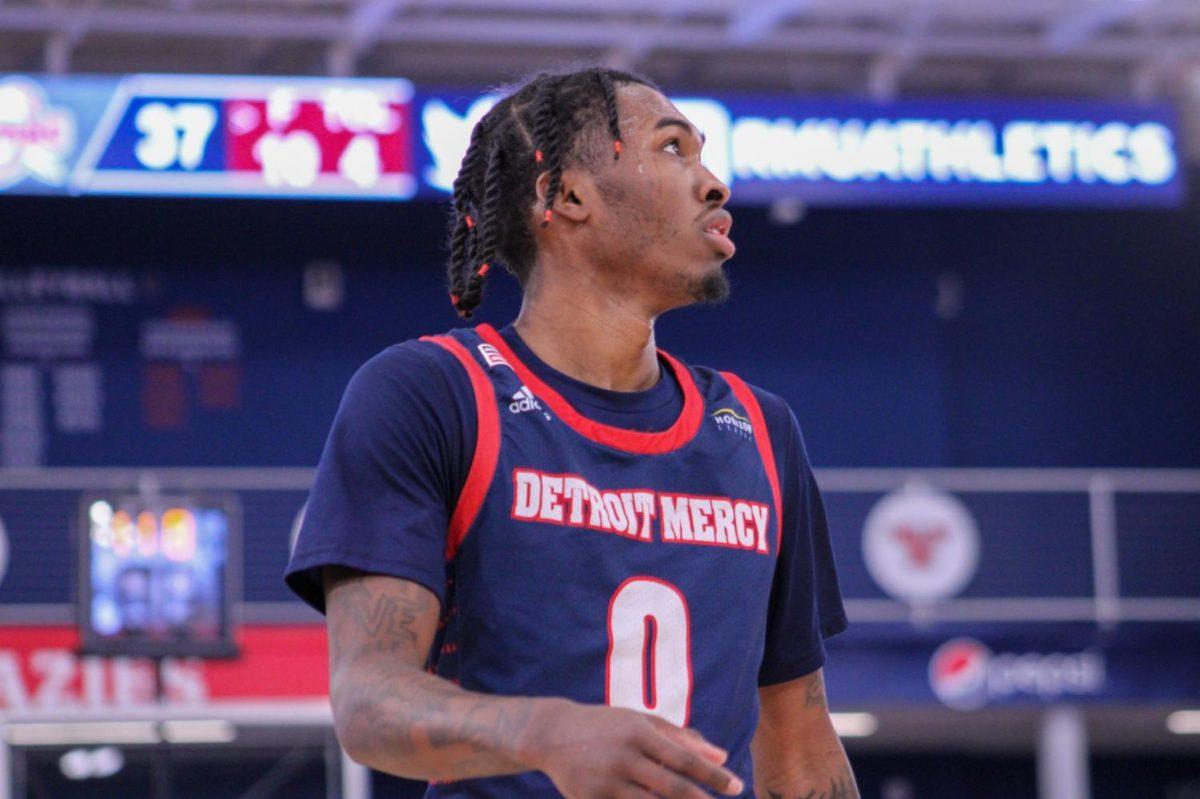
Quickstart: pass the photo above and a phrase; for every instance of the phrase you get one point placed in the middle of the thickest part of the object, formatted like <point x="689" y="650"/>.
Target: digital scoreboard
<point x="384" y="139"/>
<point x="225" y="136"/>
<point x="157" y="575"/>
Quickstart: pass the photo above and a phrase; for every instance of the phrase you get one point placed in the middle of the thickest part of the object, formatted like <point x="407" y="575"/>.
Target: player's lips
<point x="716" y="227"/>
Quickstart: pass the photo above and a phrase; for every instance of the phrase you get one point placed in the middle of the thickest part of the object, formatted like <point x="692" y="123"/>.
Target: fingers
<point x="689" y="762"/>
<point x="664" y="782"/>
<point x="691" y="739"/>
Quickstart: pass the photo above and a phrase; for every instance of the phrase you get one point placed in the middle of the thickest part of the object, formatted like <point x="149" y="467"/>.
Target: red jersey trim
<point x="763" y="439"/>
<point x="635" y="441"/>
<point x="487" y="445"/>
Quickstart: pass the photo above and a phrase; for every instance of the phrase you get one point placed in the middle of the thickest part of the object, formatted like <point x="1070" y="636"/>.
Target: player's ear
<point x="576" y="193"/>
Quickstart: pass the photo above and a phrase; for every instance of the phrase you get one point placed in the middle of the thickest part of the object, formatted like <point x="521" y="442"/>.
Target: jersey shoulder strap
<point x="745" y="396"/>
<point x="487" y="444"/>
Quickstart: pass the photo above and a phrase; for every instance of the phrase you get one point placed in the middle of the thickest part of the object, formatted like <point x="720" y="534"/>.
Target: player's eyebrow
<point x="667" y="122"/>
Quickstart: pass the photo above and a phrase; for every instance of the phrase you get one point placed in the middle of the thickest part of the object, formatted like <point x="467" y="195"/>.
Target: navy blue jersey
<point x="669" y="567"/>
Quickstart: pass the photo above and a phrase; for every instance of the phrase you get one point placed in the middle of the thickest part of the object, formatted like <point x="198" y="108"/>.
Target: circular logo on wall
<point x="3" y="551"/>
<point x="958" y="673"/>
<point x="921" y="544"/>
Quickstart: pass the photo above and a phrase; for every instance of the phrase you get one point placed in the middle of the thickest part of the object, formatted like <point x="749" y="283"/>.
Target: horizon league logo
<point x="35" y="137"/>
<point x="731" y="420"/>
<point x="966" y="675"/>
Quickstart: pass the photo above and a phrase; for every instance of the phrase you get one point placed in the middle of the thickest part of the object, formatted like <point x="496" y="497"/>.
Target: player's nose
<point x="712" y="190"/>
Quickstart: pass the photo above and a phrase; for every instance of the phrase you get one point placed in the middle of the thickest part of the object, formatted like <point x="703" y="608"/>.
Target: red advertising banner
<point x="40" y="669"/>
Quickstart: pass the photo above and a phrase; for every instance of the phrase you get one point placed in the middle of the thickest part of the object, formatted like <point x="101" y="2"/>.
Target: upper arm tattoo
<point x="370" y="613"/>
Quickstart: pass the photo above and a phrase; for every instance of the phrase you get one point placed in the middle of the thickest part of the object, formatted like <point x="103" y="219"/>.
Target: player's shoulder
<point x="413" y="359"/>
<point x="415" y="369"/>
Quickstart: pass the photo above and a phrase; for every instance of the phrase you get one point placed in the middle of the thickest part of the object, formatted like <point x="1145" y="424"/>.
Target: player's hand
<point x="600" y="752"/>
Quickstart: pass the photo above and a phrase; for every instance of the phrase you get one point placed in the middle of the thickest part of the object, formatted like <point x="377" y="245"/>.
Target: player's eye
<point x="673" y="142"/>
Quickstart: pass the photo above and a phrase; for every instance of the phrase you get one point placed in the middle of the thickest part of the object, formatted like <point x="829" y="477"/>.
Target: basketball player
<point x="554" y="559"/>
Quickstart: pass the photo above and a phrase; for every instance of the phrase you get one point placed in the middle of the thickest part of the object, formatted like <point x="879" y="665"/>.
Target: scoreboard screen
<point x="249" y="136"/>
<point x="386" y="139"/>
<point x="157" y="575"/>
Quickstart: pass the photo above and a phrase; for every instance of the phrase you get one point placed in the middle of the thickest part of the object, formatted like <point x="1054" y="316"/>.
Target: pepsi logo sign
<point x="958" y="673"/>
<point x="965" y="674"/>
<point x="921" y="544"/>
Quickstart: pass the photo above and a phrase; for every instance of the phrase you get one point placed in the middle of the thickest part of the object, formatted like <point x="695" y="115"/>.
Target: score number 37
<point x="173" y="134"/>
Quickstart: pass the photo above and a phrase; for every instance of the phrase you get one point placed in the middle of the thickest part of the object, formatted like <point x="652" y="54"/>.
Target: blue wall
<point x="1076" y="340"/>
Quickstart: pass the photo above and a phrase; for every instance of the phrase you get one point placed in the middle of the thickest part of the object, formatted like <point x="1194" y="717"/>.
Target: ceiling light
<point x="199" y="731"/>
<point x="1184" y="722"/>
<point x="83" y="733"/>
<point x="854" y="725"/>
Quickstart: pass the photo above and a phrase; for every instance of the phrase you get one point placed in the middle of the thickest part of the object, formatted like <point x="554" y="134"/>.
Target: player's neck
<point x="595" y="337"/>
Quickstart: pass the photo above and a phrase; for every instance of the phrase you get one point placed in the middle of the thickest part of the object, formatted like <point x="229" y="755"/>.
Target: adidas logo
<point x="523" y="401"/>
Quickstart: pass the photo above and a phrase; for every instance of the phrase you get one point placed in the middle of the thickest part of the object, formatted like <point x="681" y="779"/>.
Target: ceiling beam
<point x="368" y="19"/>
<point x="1148" y="80"/>
<point x="62" y="41"/>
<point x="630" y="53"/>
<point x="885" y="73"/>
<point x="362" y="28"/>
<point x="567" y="33"/>
<point x="57" y="53"/>
<point x="756" y="22"/>
<point x="589" y="7"/>
<point x="1093" y="16"/>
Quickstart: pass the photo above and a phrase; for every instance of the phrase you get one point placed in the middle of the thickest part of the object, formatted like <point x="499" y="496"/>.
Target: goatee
<point x="711" y="289"/>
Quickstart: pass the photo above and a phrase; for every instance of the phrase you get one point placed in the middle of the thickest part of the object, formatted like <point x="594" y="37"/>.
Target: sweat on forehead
<point x="640" y="106"/>
<point x="646" y="110"/>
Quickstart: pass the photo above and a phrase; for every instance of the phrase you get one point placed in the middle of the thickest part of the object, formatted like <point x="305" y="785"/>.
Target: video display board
<point x="201" y="136"/>
<point x="386" y="139"/>
<point x="158" y="574"/>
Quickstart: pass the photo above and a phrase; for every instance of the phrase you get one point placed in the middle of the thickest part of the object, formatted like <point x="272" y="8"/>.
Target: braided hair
<point x="544" y="125"/>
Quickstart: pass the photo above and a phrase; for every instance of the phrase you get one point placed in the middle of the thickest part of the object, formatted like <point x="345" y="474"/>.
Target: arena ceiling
<point x="1141" y="49"/>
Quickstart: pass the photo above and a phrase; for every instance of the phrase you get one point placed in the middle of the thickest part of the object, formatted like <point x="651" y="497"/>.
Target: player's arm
<point x="392" y="715"/>
<point x="797" y="753"/>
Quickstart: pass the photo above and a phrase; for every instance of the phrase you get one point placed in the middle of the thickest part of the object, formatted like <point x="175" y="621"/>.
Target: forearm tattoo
<point x="821" y="771"/>
<point x="840" y="787"/>
<point x="814" y="692"/>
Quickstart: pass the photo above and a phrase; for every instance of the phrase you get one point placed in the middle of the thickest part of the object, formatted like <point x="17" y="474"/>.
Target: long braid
<point x="489" y="235"/>
<point x="539" y="127"/>
<point x="547" y="138"/>
<point x="458" y="251"/>
<point x="464" y="234"/>
<point x="610" y="107"/>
